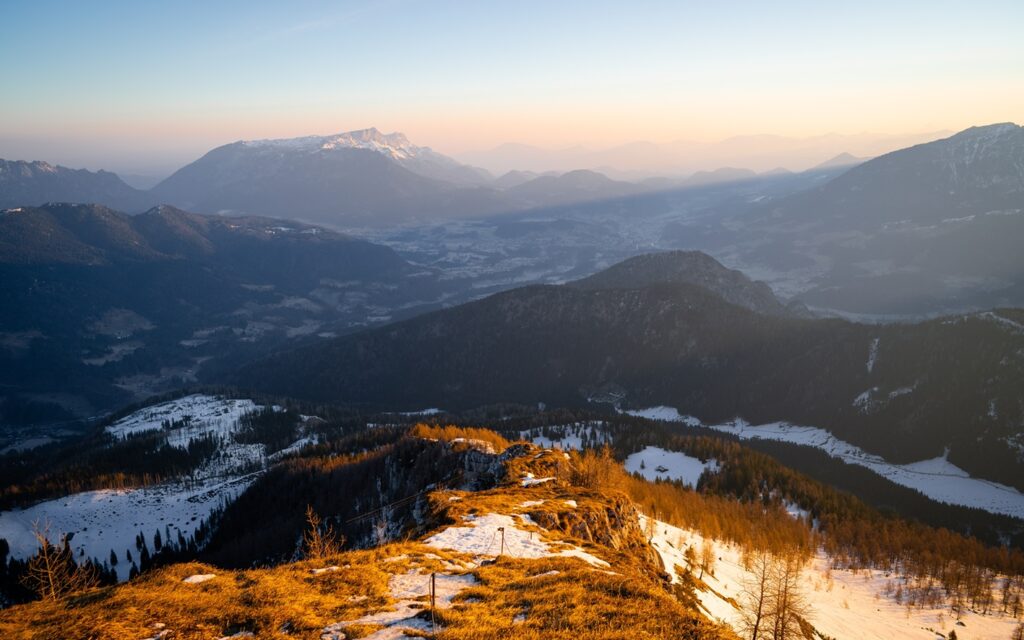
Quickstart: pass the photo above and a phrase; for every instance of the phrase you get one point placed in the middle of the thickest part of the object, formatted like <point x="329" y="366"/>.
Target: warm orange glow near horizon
<point x="462" y="79"/>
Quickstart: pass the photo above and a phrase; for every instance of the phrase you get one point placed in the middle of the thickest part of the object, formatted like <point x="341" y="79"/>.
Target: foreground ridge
<point x="518" y="549"/>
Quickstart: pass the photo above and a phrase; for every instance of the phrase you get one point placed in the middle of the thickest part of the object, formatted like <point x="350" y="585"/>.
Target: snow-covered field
<point x="110" y="519"/>
<point x="567" y="436"/>
<point x="106" y="520"/>
<point x="845" y="605"/>
<point x="654" y="463"/>
<point x="206" y="414"/>
<point x="937" y="478"/>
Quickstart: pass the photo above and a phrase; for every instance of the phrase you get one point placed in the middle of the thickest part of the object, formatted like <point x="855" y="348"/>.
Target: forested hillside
<point x="905" y="391"/>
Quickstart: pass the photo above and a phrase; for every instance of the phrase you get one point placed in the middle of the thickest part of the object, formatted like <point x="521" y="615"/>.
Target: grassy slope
<point x="511" y="597"/>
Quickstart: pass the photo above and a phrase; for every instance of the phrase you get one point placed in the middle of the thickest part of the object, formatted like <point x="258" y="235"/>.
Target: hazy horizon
<point x="810" y="150"/>
<point x="146" y="88"/>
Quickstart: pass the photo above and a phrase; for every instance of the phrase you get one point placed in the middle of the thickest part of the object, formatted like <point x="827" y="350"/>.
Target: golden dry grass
<point x="288" y="601"/>
<point x="525" y="599"/>
<point x="450" y="433"/>
<point x="514" y="598"/>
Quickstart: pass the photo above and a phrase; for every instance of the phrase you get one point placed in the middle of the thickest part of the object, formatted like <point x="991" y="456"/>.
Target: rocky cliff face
<point x="612" y="523"/>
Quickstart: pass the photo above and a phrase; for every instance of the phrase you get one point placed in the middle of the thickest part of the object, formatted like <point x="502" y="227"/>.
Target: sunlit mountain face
<point x="511" y="320"/>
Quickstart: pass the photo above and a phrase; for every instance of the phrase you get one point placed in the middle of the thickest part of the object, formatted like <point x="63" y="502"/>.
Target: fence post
<point x="433" y="592"/>
<point x="502" y="549"/>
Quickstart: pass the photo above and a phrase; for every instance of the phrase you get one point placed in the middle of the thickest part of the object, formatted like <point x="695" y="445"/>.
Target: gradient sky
<point x="148" y="85"/>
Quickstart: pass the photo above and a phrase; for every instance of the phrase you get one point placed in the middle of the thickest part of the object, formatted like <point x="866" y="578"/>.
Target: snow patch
<point x="409" y="590"/>
<point x="654" y="463"/>
<point x="873" y="354"/>
<point x="667" y="414"/>
<point x="1012" y="325"/>
<point x="483" y="538"/>
<point x="529" y="481"/>
<point x="199" y="578"/>
<point x="863" y="401"/>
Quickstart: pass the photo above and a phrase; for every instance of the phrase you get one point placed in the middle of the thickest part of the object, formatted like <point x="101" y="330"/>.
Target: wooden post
<point x="433" y="592"/>
<point x="502" y="549"/>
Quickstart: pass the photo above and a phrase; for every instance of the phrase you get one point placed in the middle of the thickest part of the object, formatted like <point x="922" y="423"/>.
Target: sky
<point x="148" y="86"/>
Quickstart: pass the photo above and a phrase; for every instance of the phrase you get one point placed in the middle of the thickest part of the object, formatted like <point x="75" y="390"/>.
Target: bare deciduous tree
<point x="53" y="573"/>
<point x="757" y="593"/>
<point x="790" y="605"/>
<point x="772" y="602"/>
<point x="650" y="528"/>
<point x="320" y="540"/>
<point x="707" y="558"/>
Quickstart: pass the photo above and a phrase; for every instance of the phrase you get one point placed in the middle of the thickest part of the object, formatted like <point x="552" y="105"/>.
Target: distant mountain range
<point x="842" y="160"/>
<point x="101" y="308"/>
<point x="934" y="227"/>
<point x="33" y="183"/>
<point x="356" y="179"/>
<point x="925" y="230"/>
<point x="976" y="171"/>
<point x="571" y="187"/>
<point x="642" y="159"/>
<point x="636" y="338"/>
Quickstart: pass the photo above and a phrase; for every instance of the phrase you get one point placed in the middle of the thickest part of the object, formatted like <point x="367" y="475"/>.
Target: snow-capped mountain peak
<point x="393" y="145"/>
<point x="396" y="147"/>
